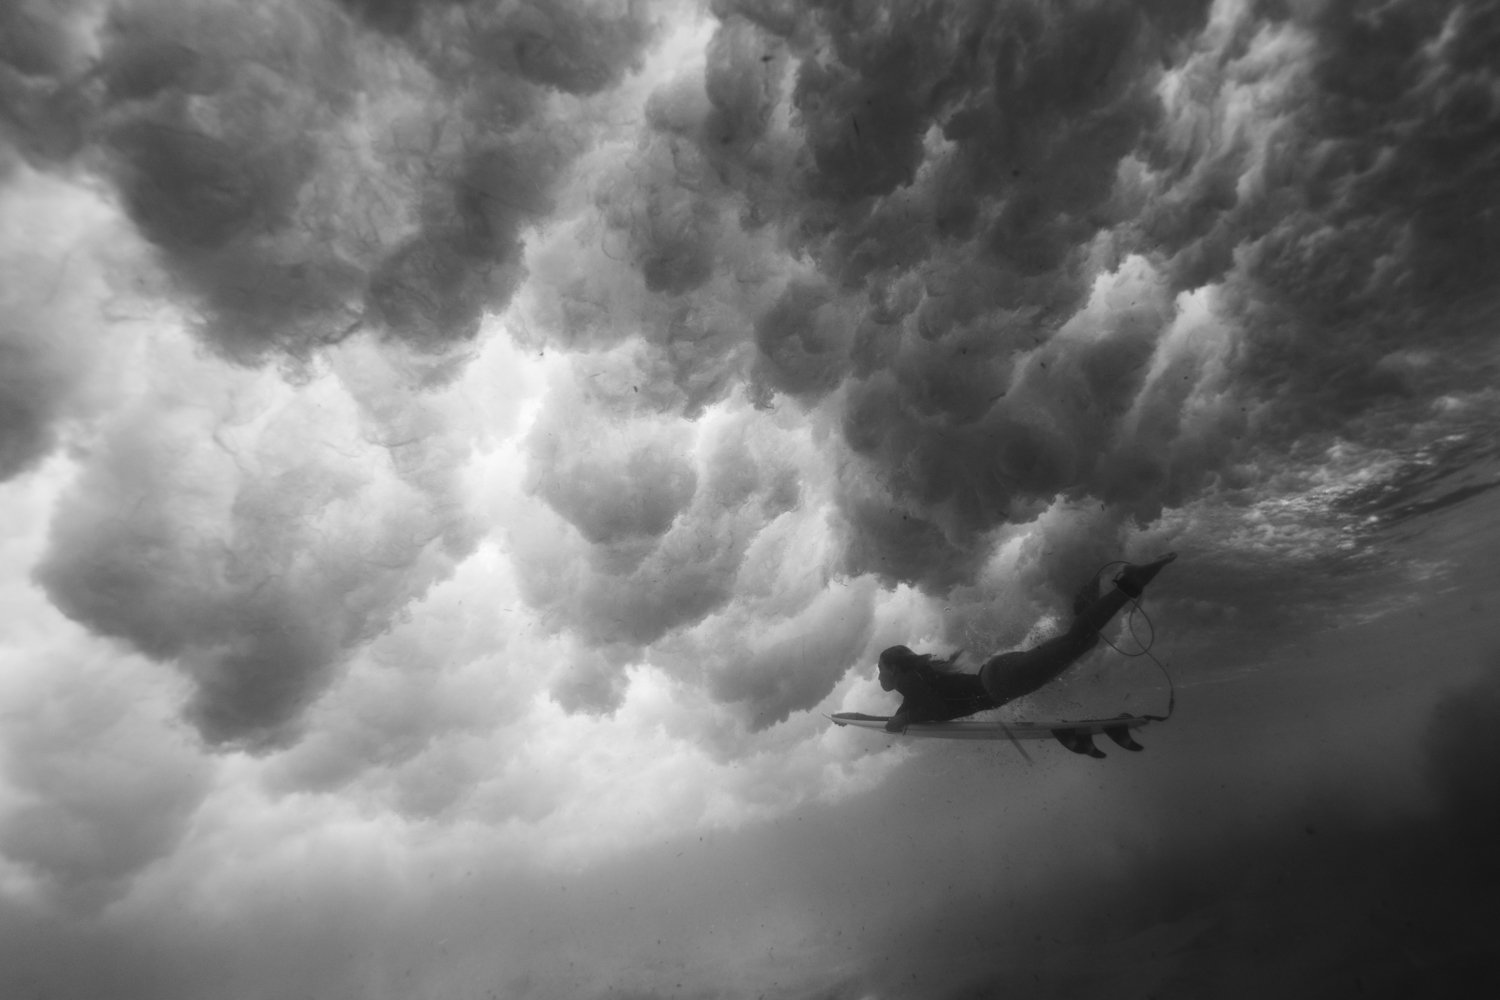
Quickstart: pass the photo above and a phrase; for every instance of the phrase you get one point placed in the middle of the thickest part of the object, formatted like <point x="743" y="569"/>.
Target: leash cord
<point x="1145" y="650"/>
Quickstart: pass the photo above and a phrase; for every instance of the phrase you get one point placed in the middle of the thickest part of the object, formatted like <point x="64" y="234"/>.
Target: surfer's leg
<point x="1091" y="621"/>
<point x="1087" y="595"/>
<point x="996" y="677"/>
<point x="1129" y="585"/>
<point x="1008" y="676"/>
<point x="1133" y="579"/>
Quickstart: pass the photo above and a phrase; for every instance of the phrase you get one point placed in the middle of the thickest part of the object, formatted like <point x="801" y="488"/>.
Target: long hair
<point x="901" y="658"/>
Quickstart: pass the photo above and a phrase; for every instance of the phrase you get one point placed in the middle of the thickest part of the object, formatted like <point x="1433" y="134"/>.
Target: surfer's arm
<point x="920" y="702"/>
<point x="917" y="697"/>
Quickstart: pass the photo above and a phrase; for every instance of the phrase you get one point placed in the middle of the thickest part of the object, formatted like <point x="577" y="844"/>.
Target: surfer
<point x="932" y="691"/>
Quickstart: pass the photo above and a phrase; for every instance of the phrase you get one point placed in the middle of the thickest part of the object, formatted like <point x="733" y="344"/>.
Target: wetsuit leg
<point x="1010" y="675"/>
<point x="1128" y="587"/>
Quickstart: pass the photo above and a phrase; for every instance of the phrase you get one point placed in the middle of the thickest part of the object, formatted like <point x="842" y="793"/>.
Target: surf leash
<point x="1145" y="650"/>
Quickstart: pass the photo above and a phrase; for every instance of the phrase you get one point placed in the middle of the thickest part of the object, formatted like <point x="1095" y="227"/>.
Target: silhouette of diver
<point x="932" y="692"/>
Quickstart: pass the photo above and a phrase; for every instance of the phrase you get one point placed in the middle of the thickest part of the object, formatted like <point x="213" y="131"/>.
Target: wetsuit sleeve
<point x="918" y="696"/>
<point x="943" y="697"/>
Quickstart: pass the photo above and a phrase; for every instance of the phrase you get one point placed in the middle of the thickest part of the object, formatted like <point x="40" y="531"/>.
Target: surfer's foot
<point x="1133" y="579"/>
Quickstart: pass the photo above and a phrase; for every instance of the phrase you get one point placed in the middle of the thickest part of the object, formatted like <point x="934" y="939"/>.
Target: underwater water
<point x="1314" y="820"/>
<point x="456" y="455"/>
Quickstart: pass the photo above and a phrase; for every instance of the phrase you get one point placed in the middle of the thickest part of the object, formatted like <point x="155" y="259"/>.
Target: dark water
<point x="1315" y="820"/>
<point x="454" y="454"/>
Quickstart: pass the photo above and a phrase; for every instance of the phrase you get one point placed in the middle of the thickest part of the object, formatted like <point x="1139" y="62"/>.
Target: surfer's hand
<point x="897" y="724"/>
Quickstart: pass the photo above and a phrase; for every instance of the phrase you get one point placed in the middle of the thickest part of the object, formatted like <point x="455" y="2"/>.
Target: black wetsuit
<point x="930" y="695"/>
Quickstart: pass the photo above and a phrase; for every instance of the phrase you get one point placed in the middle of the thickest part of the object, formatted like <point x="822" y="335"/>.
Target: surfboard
<point x="1075" y="734"/>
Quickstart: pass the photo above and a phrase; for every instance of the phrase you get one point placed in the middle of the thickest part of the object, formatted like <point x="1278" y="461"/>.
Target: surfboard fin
<point x="1121" y="735"/>
<point x="1077" y="742"/>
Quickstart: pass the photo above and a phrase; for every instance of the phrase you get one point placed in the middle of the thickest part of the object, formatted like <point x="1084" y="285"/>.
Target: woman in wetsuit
<point x="932" y="692"/>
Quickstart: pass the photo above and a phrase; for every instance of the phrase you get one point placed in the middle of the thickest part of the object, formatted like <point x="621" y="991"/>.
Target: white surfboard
<point x="1075" y="734"/>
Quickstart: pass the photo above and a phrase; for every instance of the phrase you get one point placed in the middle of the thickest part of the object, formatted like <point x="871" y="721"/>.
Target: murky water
<point x="455" y="454"/>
